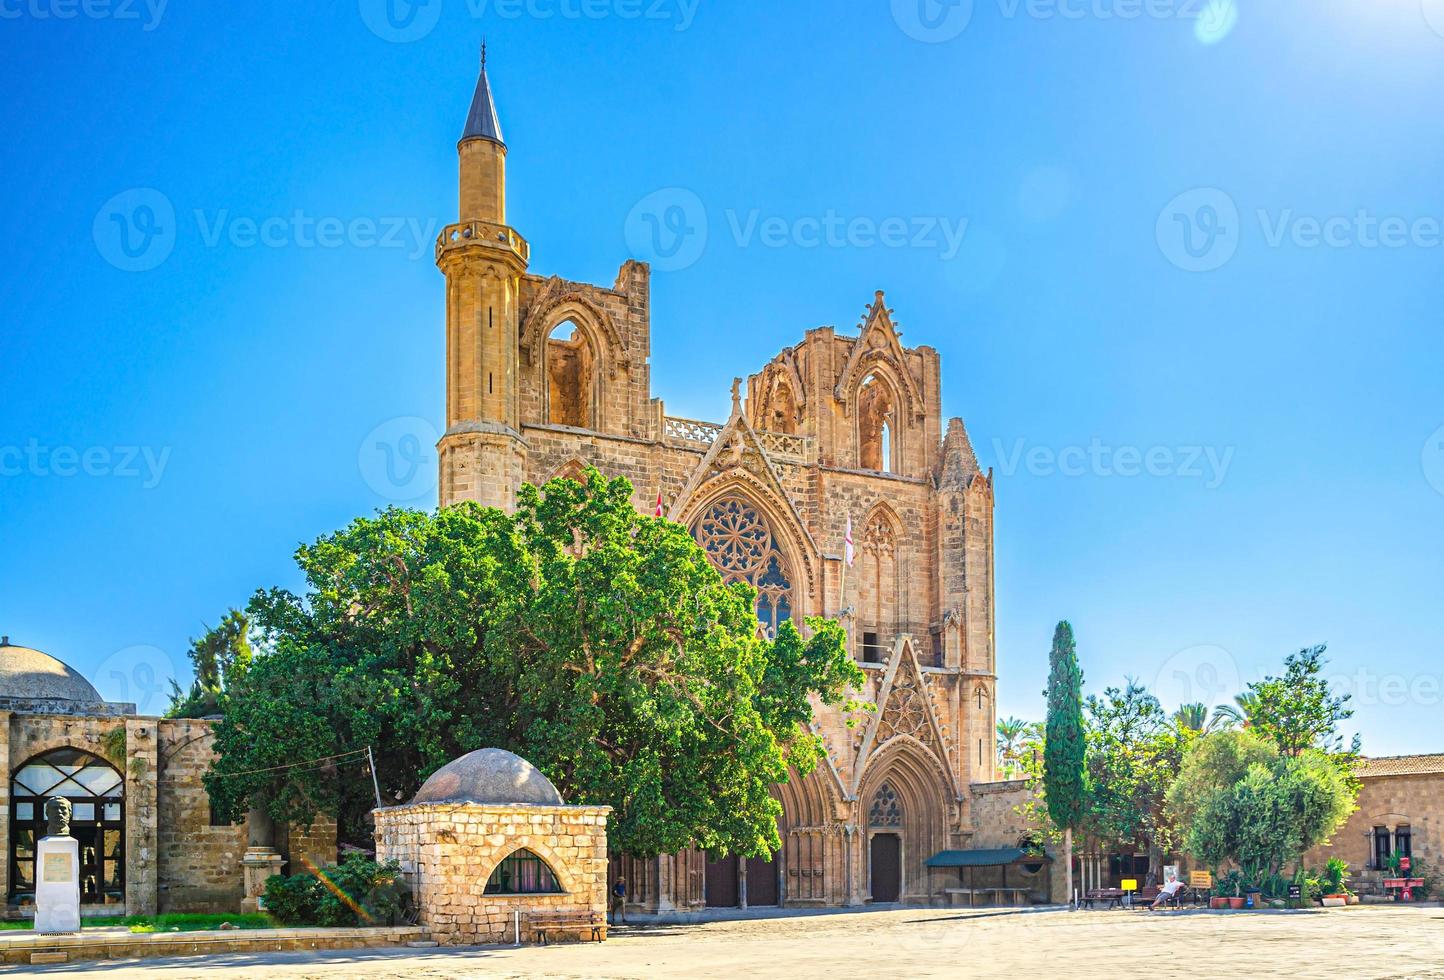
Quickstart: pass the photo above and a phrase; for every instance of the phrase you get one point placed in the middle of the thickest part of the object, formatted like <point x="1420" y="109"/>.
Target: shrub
<point x="358" y="891"/>
<point x="1334" y="874"/>
<point x="294" y="900"/>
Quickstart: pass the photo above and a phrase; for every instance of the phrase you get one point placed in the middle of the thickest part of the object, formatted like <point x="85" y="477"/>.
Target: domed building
<point x="140" y="813"/>
<point x="492" y="816"/>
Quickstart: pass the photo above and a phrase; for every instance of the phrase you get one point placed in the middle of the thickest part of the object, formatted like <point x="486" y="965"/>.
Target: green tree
<point x="595" y="642"/>
<point x="1065" y="783"/>
<point x="220" y="657"/>
<point x="1298" y="711"/>
<point x="1194" y="718"/>
<point x="1216" y="762"/>
<point x="1134" y="754"/>
<point x="1239" y="714"/>
<point x="1010" y="740"/>
<point x="1275" y="813"/>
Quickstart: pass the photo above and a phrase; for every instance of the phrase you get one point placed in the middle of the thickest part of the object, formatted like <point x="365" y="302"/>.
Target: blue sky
<point x="1184" y="275"/>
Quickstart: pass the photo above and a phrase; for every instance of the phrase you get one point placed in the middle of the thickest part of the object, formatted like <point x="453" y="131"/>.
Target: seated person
<point x="1166" y="893"/>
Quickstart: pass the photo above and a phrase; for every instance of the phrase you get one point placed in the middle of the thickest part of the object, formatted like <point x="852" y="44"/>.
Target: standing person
<point x="619" y="902"/>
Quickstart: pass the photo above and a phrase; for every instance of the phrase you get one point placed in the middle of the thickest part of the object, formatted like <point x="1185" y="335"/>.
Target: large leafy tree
<point x="1065" y="784"/>
<point x="1218" y="761"/>
<point x="219" y="657"/>
<point x="1299" y="711"/>
<point x="1134" y="753"/>
<point x="597" y="643"/>
<point x="1275" y="813"/>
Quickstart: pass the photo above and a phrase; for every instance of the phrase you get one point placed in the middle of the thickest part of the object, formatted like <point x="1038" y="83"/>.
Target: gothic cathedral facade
<point x="545" y="376"/>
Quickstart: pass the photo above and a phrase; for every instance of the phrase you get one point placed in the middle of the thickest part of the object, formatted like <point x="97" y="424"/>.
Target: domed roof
<point x="27" y="674"/>
<point x="489" y="776"/>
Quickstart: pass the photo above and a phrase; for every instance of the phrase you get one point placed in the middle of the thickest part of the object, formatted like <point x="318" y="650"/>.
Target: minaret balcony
<point x="483" y="234"/>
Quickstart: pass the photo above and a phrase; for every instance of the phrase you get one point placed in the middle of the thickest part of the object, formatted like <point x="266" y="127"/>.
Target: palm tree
<point x="1241" y="712"/>
<point x="1194" y="717"/>
<point x="1010" y="735"/>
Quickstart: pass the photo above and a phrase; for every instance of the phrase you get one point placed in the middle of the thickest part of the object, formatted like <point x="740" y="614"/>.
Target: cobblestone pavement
<point x="1377" y="942"/>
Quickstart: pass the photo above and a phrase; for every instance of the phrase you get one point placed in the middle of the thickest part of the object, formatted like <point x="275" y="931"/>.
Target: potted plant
<point x="1233" y="883"/>
<point x="1335" y="894"/>
<point x="1218" y="898"/>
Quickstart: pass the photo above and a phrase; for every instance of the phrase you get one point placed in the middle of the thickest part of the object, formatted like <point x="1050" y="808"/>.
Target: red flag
<point x="659" y="504"/>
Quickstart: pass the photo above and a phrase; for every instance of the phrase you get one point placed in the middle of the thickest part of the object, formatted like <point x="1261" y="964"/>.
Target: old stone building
<point x="489" y="848"/>
<point x="545" y="376"/>
<point x="148" y="842"/>
<point x="1401" y="811"/>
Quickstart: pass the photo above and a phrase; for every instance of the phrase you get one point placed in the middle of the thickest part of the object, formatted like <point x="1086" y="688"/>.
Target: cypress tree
<point x="1064" y="776"/>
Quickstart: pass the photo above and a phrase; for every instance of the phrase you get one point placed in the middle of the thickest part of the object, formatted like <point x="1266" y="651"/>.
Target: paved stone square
<point x="1369" y="942"/>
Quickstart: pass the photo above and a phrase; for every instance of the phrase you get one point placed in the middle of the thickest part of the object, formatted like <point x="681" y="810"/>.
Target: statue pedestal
<point x="57" y="885"/>
<point x="258" y="864"/>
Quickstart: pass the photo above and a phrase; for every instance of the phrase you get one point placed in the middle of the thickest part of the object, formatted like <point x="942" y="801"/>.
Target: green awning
<point x="988" y="858"/>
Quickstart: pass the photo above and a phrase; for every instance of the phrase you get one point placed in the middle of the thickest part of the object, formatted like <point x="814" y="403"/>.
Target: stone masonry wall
<point x="200" y="864"/>
<point x="1415" y="801"/>
<point x="448" y="852"/>
<point x="997" y="823"/>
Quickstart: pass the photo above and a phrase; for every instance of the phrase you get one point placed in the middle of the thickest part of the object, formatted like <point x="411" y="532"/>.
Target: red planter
<point x="1218" y="902"/>
<point x="1236" y="903"/>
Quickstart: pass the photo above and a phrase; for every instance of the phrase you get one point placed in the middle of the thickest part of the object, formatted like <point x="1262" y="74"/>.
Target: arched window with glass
<point x="523" y="872"/>
<point x="743" y="547"/>
<point x="96" y="791"/>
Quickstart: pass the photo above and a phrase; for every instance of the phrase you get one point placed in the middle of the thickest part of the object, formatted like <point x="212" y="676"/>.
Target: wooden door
<point x="761" y="881"/>
<point x="722" y="883"/>
<point x="886" y="866"/>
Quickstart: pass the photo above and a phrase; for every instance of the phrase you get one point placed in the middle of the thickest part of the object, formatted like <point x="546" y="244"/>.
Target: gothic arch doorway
<point x="885" y="868"/>
<point x="884" y="832"/>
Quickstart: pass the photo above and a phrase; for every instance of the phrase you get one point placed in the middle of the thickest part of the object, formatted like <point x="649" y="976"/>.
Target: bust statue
<point x="57" y="815"/>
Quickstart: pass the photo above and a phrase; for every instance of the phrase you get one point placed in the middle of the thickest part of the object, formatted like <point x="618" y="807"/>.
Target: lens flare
<point x="332" y="887"/>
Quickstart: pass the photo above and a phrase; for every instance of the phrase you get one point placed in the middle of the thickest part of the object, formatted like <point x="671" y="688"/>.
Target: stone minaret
<point x="483" y="259"/>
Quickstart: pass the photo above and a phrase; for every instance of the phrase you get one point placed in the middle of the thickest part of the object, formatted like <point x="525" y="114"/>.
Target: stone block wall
<point x="175" y="860"/>
<point x="200" y="863"/>
<point x="997" y="822"/>
<point x="1413" y="800"/>
<point x="449" y="850"/>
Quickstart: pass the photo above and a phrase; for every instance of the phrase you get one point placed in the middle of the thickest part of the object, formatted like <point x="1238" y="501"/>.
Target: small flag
<point x="659" y="505"/>
<point x="847" y="552"/>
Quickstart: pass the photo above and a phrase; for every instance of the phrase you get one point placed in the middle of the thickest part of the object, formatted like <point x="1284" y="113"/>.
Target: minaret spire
<point x="481" y="121"/>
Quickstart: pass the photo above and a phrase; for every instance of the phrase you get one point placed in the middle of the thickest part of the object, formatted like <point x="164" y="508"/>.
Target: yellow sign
<point x="1130" y="884"/>
<point x="1200" y="879"/>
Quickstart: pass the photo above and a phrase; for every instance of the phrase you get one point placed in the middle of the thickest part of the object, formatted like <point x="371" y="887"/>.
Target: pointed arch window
<point x="784" y="410"/>
<point x="743" y="548"/>
<point x="876" y="416"/>
<point x="571" y="376"/>
<point x="96" y="791"/>
<point x="886" y="809"/>
<point x="523" y="873"/>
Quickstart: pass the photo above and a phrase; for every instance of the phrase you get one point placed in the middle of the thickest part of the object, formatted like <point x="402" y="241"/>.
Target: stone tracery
<point x="741" y="544"/>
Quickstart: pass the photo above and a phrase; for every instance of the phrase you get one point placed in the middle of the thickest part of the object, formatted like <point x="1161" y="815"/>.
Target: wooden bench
<point x="1113" y="897"/>
<point x="543" y="925"/>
